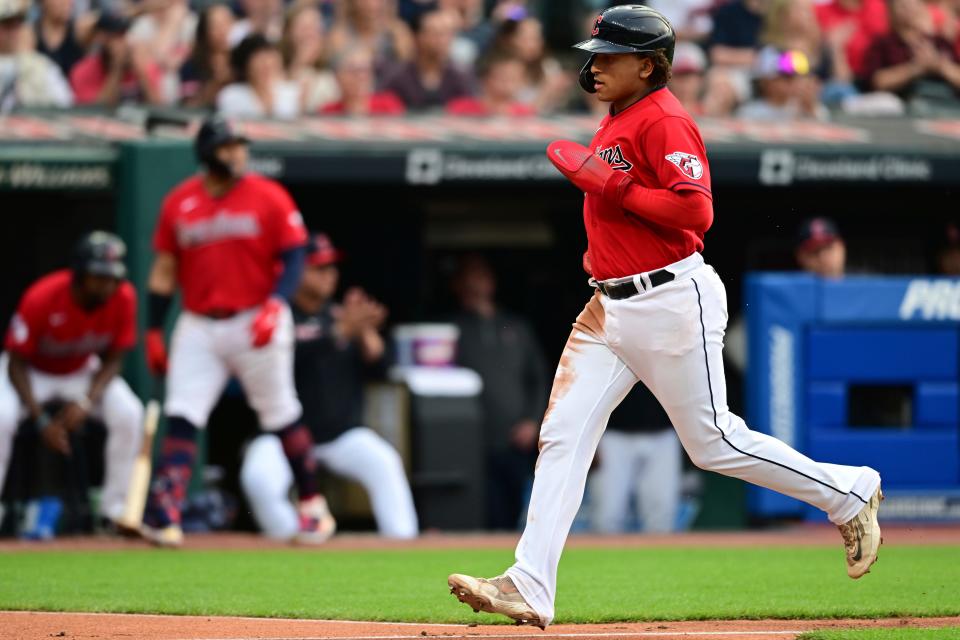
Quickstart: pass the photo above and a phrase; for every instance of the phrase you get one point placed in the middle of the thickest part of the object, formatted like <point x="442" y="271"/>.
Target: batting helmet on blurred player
<point x="100" y="253"/>
<point x="215" y="132"/>
<point x="629" y="28"/>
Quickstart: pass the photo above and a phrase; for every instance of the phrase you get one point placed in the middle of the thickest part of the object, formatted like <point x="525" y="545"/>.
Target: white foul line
<point x="546" y="635"/>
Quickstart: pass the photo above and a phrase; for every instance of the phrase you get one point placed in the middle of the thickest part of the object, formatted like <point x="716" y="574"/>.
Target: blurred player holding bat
<point x="66" y="341"/>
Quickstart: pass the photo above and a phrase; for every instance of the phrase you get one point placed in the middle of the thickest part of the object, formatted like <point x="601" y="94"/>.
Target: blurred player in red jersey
<point x="234" y="243"/>
<point x="658" y="316"/>
<point x="67" y="341"/>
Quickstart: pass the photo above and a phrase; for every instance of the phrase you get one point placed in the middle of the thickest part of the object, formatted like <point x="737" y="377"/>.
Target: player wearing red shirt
<point x="66" y="342"/>
<point x="658" y="316"/>
<point x="234" y="244"/>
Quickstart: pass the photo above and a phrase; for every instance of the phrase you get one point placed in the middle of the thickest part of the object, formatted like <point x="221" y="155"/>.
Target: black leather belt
<point x="627" y="288"/>
<point x="219" y="314"/>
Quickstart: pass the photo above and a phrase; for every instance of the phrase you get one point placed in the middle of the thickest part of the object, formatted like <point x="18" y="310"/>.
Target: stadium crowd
<point x="756" y="59"/>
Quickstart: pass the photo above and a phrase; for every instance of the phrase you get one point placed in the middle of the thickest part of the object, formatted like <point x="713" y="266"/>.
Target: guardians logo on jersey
<point x="688" y="163"/>
<point x="613" y="156"/>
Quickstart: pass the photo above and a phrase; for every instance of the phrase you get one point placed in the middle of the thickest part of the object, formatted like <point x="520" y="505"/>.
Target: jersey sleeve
<point x="291" y="232"/>
<point x="126" y="331"/>
<point x="24" y="329"/>
<point x="675" y="151"/>
<point x="164" y="236"/>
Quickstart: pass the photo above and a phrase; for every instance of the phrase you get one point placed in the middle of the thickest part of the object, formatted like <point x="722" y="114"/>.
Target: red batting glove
<point x="587" y="171"/>
<point x="156" y="351"/>
<point x="265" y="322"/>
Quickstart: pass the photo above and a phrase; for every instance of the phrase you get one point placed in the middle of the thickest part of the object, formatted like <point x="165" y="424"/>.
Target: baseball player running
<point x="234" y="242"/>
<point x="658" y="315"/>
<point x="67" y="341"/>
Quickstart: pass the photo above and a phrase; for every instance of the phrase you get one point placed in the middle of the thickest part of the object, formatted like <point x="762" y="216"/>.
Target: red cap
<point x="816" y="233"/>
<point x="321" y="251"/>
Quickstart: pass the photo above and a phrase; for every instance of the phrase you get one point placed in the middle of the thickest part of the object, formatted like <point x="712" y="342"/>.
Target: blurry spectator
<point x="820" y="248"/>
<point x="501" y="78"/>
<point x="850" y="26"/>
<point x="166" y="35"/>
<point x="335" y="344"/>
<point x="725" y="91"/>
<point x="502" y="348"/>
<point x="260" y="17"/>
<point x="638" y="461"/>
<point x="474" y="31"/>
<point x="792" y="25"/>
<point x="208" y="69"/>
<point x="303" y="48"/>
<point x="690" y="18"/>
<point x="375" y="26"/>
<point x="115" y="73"/>
<point x="27" y="78"/>
<point x="909" y="61"/>
<point x="430" y="80"/>
<point x="736" y="32"/>
<point x="60" y="36"/>
<point x="354" y="72"/>
<point x="261" y="89"/>
<point x="948" y="254"/>
<point x="688" y="79"/>
<point x="781" y="93"/>
<point x="548" y="85"/>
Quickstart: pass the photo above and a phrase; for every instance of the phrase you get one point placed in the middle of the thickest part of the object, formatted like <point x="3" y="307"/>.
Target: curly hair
<point x="662" y="69"/>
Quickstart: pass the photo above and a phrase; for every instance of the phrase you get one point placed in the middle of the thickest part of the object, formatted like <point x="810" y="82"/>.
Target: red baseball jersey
<point x="657" y="142"/>
<point x="57" y="336"/>
<point x="227" y="248"/>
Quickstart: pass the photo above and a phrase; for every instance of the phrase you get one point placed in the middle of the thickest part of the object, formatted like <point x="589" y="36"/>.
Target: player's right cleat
<point x="169" y="536"/>
<point x="317" y="524"/>
<point x="861" y="537"/>
<point x="496" y="595"/>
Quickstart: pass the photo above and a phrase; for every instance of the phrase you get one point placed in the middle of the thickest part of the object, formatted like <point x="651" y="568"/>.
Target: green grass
<point x="596" y="585"/>
<point x="942" y="633"/>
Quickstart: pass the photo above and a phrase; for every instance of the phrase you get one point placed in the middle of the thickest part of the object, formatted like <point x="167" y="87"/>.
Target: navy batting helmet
<point x="214" y="132"/>
<point x="627" y="28"/>
<point x="100" y="253"/>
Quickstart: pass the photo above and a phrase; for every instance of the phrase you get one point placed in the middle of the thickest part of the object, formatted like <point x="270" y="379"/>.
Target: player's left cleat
<point x="317" y="524"/>
<point x="861" y="537"/>
<point x="496" y="595"/>
<point x="169" y="536"/>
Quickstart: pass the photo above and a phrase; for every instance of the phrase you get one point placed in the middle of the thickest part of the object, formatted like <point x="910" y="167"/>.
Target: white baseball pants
<point x="671" y="338"/>
<point x="359" y="454"/>
<point x="120" y="410"/>
<point x="205" y="353"/>
<point x="646" y="466"/>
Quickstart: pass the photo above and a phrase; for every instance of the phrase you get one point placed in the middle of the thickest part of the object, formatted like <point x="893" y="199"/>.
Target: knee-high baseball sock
<point x="168" y="491"/>
<point x="298" y="447"/>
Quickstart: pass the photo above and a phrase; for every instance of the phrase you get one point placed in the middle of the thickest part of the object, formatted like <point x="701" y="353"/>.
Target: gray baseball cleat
<point x="861" y="537"/>
<point x="169" y="536"/>
<point x="496" y="595"/>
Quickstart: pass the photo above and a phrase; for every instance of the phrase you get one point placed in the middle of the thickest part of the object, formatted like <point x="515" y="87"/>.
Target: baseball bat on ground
<point x="140" y="476"/>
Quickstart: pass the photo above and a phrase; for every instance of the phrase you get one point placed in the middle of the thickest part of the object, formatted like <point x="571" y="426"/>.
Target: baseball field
<point x="783" y="584"/>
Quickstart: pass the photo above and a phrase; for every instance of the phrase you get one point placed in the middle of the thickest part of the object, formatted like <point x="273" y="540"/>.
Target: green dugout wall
<point x="146" y="171"/>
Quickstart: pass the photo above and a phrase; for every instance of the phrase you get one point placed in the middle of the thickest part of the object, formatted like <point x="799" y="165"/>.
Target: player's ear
<point x="645" y="68"/>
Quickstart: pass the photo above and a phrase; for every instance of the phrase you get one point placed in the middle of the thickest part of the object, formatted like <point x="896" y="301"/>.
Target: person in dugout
<point x="335" y="346"/>
<point x="66" y="342"/>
